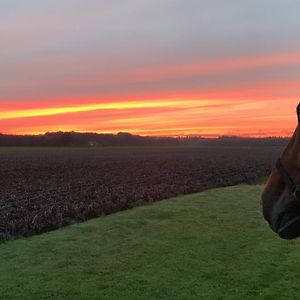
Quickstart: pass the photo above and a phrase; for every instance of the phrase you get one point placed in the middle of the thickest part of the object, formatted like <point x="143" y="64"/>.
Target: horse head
<point x="281" y="195"/>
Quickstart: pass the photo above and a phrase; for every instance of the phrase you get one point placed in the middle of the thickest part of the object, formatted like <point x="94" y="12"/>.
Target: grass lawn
<point x="212" y="245"/>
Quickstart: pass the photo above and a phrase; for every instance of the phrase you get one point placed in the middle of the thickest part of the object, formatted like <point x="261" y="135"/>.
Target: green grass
<point x="212" y="245"/>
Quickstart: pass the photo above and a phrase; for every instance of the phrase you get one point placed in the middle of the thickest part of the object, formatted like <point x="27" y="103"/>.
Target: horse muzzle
<point x="287" y="226"/>
<point x="283" y="215"/>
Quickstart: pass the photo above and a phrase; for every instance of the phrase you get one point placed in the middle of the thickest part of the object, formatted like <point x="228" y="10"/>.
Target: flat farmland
<point x="46" y="188"/>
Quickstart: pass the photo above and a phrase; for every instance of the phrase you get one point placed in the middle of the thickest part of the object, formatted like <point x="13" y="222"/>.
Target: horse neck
<point x="291" y="154"/>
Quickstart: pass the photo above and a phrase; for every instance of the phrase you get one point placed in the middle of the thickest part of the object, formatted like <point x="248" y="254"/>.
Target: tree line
<point x="64" y="139"/>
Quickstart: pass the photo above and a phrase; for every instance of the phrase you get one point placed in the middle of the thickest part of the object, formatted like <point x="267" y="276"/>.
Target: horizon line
<point x="204" y="136"/>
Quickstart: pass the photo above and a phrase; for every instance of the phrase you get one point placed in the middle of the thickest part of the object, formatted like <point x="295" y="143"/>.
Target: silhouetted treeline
<point x="61" y="139"/>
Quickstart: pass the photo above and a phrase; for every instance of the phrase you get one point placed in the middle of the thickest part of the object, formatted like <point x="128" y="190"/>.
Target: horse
<point x="280" y="198"/>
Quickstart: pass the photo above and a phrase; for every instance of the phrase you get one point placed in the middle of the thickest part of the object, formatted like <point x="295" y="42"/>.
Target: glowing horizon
<point x="156" y="118"/>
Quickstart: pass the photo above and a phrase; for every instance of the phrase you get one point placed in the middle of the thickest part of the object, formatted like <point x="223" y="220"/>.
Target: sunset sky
<point x="150" y="67"/>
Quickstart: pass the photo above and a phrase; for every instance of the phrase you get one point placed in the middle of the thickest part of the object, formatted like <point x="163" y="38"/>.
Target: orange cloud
<point x="186" y="117"/>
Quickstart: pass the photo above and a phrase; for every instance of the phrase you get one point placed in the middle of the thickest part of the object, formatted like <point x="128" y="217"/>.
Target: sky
<point x="150" y="67"/>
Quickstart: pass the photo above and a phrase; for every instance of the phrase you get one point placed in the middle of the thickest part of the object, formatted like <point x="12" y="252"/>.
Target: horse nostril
<point x="280" y="220"/>
<point x="288" y="227"/>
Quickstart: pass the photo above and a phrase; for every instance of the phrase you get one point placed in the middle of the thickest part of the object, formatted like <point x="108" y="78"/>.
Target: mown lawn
<point x="212" y="245"/>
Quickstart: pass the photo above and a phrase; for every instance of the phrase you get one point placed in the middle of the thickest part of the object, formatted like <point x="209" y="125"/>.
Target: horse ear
<point x="298" y="112"/>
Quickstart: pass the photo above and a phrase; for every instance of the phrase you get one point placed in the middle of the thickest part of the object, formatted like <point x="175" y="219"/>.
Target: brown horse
<point x="281" y="196"/>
